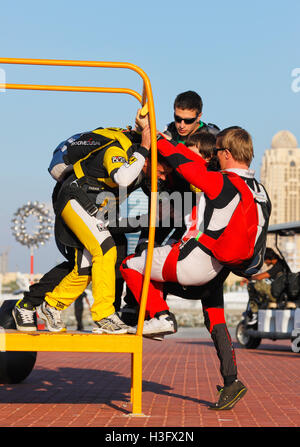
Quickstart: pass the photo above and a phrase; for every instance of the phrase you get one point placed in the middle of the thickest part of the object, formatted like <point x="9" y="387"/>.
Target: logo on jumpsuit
<point x="118" y="159"/>
<point x="100" y="226"/>
<point x="60" y="305"/>
<point x="131" y="160"/>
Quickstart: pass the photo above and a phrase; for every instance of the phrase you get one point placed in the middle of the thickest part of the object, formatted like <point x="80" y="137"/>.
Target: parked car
<point x="283" y="321"/>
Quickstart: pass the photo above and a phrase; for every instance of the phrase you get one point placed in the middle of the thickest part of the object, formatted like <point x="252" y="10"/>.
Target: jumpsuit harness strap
<point x="78" y="190"/>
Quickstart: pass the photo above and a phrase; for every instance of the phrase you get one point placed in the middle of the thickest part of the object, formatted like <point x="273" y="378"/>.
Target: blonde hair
<point x="239" y="142"/>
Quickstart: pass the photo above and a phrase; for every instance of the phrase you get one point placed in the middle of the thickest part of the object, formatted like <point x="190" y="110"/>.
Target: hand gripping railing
<point x="10" y="340"/>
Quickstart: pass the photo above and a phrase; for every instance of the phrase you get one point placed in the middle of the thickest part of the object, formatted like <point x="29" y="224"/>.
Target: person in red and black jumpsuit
<point x="204" y="269"/>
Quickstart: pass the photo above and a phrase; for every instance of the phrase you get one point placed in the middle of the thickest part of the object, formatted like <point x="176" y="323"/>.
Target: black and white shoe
<point x="164" y="323"/>
<point x="229" y="396"/>
<point x="24" y="316"/>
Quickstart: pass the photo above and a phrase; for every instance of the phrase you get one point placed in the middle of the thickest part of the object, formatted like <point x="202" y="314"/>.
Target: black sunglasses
<point x="217" y="149"/>
<point x="178" y="119"/>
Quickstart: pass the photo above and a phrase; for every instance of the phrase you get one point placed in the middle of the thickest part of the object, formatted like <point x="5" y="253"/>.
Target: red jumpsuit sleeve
<point x="191" y="167"/>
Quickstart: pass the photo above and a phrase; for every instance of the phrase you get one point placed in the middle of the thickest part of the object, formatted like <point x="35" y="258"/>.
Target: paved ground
<point x="179" y="380"/>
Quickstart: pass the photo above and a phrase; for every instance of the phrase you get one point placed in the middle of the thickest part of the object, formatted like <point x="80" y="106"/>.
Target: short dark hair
<point x="204" y="141"/>
<point x="189" y="100"/>
<point x="270" y="254"/>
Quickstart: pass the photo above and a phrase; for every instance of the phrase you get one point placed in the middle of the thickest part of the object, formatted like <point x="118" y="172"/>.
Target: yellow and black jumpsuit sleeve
<point x="123" y="170"/>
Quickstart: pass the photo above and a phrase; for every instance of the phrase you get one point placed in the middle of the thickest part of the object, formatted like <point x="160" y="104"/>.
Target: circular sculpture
<point x="43" y="224"/>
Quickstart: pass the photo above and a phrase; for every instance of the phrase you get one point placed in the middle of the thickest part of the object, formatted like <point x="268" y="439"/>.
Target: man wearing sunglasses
<point x="187" y="118"/>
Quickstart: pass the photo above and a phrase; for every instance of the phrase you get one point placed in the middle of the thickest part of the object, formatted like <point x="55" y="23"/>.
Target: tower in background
<point x="280" y="174"/>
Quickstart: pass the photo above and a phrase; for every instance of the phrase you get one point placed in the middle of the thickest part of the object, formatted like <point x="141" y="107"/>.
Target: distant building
<point x="17" y="277"/>
<point x="280" y="174"/>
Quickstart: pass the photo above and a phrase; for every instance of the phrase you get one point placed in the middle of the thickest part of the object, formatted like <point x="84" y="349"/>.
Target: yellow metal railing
<point x="17" y="341"/>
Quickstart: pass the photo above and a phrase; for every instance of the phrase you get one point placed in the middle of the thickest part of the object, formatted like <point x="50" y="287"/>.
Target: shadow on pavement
<point x="80" y="386"/>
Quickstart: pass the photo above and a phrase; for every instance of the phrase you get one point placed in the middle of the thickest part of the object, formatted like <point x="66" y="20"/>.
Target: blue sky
<point x="237" y="55"/>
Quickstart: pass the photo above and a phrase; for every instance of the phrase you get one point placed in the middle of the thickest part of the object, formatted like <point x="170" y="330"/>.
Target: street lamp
<point x="42" y="231"/>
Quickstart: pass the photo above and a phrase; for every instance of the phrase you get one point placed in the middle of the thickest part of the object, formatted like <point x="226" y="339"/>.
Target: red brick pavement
<point x="179" y="379"/>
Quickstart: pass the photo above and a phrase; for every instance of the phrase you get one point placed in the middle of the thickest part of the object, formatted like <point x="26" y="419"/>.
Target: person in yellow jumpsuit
<point x="82" y="206"/>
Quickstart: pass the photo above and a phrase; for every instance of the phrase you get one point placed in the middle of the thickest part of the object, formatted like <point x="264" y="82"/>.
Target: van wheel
<point x="244" y="340"/>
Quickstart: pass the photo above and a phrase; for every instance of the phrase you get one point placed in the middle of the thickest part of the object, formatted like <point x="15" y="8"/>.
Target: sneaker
<point x="120" y="322"/>
<point x="110" y="325"/>
<point x="164" y="323"/>
<point x="158" y="337"/>
<point x="52" y="317"/>
<point x="155" y="337"/>
<point x="229" y="396"/>
<point x="24" y="316"/>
